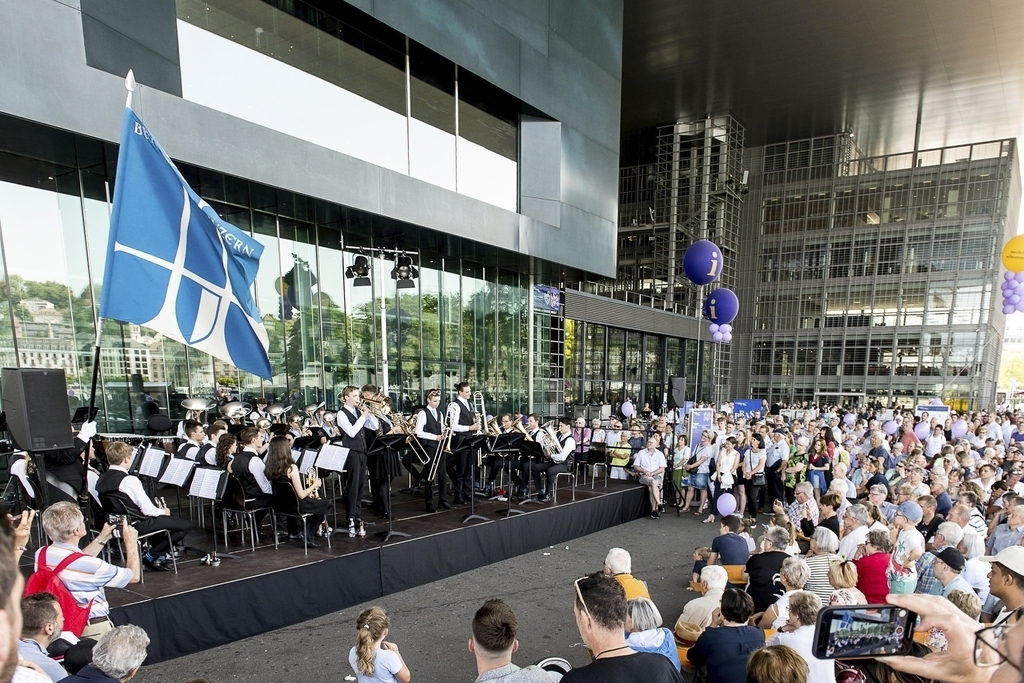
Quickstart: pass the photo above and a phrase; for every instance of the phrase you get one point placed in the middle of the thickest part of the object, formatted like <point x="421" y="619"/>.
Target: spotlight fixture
<point x="404" y="272"/>
<point x="359" y="272"/>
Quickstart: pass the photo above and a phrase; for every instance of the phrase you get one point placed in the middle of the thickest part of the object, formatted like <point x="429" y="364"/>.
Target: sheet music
<point x="308" y="458"/>
<point x="177" y="471"/>
<point x="296" y="454"/>
<point x="332" y="457"/>
<point x="152" y="462"/>
<point x="206" y="483"/>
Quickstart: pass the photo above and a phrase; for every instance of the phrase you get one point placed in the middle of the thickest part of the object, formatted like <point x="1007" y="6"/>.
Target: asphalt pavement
<point x="431" y="623"/>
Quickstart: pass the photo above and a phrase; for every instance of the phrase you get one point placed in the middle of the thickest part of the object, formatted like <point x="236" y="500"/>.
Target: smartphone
<point x="857" y="631"/>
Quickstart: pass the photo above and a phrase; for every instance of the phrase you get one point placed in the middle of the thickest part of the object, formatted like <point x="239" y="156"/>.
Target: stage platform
<point x="203" y="607"/>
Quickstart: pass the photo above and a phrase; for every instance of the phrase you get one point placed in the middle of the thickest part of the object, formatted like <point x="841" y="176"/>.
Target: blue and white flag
<point x="173" y="265"/>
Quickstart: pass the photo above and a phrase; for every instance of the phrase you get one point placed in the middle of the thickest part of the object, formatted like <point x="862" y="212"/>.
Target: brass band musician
<point x="559" y="463"/>
<point x="497" y="462"/>
<point x="259" y="412"/>
<point x="429" y="428"/>
<point x="520" y="468"/>
<point x="195" y="435"/>
<point x="351" y="419"/>
<point x="381" y="471"/>
<point x="463" y="423"/>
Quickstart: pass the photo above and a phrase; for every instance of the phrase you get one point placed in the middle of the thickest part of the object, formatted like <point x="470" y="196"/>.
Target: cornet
<point x="310" y="479"/>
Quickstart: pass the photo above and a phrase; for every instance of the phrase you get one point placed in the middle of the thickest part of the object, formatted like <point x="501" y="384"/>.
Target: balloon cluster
<point x="703" y="263"/>
<point x="1013" y="292"/>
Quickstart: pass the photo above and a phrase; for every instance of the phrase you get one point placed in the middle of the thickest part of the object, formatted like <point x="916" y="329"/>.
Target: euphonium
<point x="518" y="426"/>
<point x="494" y="427"/>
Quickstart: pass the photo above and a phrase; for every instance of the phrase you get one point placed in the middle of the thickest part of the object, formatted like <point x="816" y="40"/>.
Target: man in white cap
<point x="1006" y="580"/>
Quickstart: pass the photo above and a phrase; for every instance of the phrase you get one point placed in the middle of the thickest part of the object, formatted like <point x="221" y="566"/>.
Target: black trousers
<point x="356" y="468"/>
<point x="178" y="527"/>
<point x="462" y="481"/>
<point x="549" y="469"/>
<point x="774" y="480"/>
<point x="753" y="493"/>
<point x="441" y="477"/>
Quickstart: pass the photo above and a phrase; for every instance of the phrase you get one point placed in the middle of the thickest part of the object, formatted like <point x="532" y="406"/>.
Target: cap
<point x="911" y="510"/>
<point x="780" y="430"/>
<point x="953" y="558"/>
<point x="1011" y="557"/>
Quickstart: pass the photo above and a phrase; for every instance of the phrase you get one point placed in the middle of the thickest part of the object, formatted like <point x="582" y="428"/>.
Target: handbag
<point x="758" y="479"/>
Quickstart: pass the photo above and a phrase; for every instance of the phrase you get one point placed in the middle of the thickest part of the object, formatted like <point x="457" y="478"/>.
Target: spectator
<point x="88" y="576"/>
<point x="618" y="563"/>
<point x="117" y="656"/>
<point x="373" y="659"/>
<point x="1009" y="533"/>
<point x="948" y="567"/>
<point x="872" y="562"/>
<point x="909" y="546"/>
<point x="699" y="611"/>
<point x="494" y="640"/>
<point x="729" y="547"/>
<point x="701" y="555"/>
<point x="856" y="524"/>
<point x="820" y="557"/>
<point x="828" y="505"/>
<point x="762" y="569"/>
<point x="803" y="498"/>
<point x="600" y="612"/>
<point x="976" y="571"/>
<point x="948" y="535"/>
<point x="41" y="623"/>
<point x="724" y="649"/>
<point x="793" y="575"/>
<point x="645" y="632"/>
<point x="842" y="576"/>
<point x="799" y="635"/>
<point x="968" y="603"/>
<point x="1006" y="580"/>
<point x="938" y="486"/>
<point x="930" y="520"/>
<point x="776" y="664"/>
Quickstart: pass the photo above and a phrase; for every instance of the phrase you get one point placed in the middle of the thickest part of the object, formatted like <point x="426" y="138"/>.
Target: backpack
<point x="76" y="617"/>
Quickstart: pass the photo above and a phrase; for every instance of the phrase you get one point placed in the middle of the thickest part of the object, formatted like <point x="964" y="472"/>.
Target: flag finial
<point x="129" y="85"/>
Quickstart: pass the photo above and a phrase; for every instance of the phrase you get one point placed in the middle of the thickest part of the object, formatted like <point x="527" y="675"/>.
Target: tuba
<point x="549" y="439"/>
<point x="311" y="411"/>
<point x="235" y="410"/>
<point x="196" y="407"/>
<point x="277" y="411"/>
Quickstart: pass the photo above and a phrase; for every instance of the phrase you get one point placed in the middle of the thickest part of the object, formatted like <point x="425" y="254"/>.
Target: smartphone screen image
<point x="847" y="632"/>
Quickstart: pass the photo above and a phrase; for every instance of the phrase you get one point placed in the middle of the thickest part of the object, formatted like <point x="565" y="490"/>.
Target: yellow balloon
<point x="1013" y="254"/>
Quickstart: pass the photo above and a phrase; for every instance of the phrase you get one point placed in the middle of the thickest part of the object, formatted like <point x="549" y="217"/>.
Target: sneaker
<point x="362" y="529"/>
<point x="215" y="562"/>
<point x="351" y="528"/>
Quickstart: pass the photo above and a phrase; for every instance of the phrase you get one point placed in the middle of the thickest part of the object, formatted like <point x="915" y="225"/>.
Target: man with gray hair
<point x="619" y="564"/>
<point x="856" y="524"/>
<point x="1008" y="533"/>
<point x="713" y="580"/>
<point x="116" y="658"/>
<point x="803" y="495"/>
<point x="947" y="535"/>
<point x="876" y="496"/>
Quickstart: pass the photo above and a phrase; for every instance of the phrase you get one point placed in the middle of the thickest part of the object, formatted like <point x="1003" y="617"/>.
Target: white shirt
<point x="132" y="487"/>
<point x="976" y="574"/>
<point x="613" y="437"/>
<point x="456" y="427"/>
<point x="802" y="640"/>
<point x="421" y="424"/>
<point x="852" y="539"/>
<point x="352" y="428"/>
<point x="567" y="449"/>
<point x="650" y="461"/>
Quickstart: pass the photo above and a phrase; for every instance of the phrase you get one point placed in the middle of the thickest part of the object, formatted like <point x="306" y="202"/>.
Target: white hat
<point x="1011" y="557"/>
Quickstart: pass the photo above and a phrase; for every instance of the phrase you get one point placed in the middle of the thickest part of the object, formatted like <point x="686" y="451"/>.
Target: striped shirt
<point x="86" y="577"/>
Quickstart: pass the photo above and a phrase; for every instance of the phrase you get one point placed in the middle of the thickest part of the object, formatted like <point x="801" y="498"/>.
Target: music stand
<point x="503" y="445"/>
<point x="332" y="458"/>
<point x="209" y="483"/>
<point x="473" y="443"/>
<point x="533" y="451"/>
<point x="84" y="414"/>
<point x="385" y="444"/>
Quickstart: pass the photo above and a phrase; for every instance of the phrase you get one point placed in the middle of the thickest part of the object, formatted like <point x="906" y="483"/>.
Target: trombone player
<point x="463" y="422"/>
<point x="429" y="430"/>
<point x="380" y="471"/>
<point x="352" y="417"/>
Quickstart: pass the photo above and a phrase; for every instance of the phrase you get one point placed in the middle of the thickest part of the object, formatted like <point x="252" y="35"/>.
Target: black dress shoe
<point x="156" y="566"/>
<point x="311" y="543"/>
<point x="431" y="508"/>
<point x="445" y="505"/>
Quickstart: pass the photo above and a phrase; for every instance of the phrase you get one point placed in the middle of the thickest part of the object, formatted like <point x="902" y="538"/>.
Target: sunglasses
<point x="576" y="585"/>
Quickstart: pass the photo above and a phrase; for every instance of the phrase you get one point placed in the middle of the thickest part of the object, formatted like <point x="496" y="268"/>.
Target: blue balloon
<point x="921" y="430"/>
<point x="1019" y="277"/>
<point x="703" y="262"/>
<point x="721" y="306"/>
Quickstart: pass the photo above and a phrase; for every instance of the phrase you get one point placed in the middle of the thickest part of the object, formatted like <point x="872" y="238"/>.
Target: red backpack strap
<point x="41" y="561"/>
<point x="67" y="561"/>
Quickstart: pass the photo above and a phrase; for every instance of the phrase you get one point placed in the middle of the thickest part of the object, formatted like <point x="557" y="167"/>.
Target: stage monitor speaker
<point x="676" y="392"/>
<point x="36" y="404"/>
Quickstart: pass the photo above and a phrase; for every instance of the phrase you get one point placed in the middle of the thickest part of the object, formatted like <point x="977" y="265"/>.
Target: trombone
<point x="404" y="426"/>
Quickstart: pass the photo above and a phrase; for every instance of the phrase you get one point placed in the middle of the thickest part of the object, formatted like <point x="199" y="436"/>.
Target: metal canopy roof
<point x="791" y="69"/>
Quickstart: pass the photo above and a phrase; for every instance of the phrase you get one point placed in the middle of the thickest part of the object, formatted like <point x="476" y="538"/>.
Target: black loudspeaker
<point x="676" y="392"/>
<point x="36" y="404"/>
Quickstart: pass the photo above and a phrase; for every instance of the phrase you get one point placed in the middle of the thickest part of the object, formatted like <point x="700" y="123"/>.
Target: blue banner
<point x="746" y="407"/>
<point x="546" y="299"/>
<point x="173" y="265"/>
<point x="700" y="419"/>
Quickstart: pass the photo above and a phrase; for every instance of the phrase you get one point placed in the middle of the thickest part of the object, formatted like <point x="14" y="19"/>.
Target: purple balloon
<point x="1008" y="309"/>
<point x="958" y="429"/>
<point x="721" y="306"/>
<point x="712" y="328"/>
<point x="1014" y="299"/>
<point x="1019" y="307"/>
<point x="1007" y="276"/>
<point x="1019" y="277"/>
<point x="890" y="427"/>
<point x="726" y="328"/>
<point x="703" y="262"/>
<point x="727" y="337"/>
<point x="937" y="401"/>
<point x="921" y="430"/>
<point x="626" y="409"/>
<point x="718" y="336"/>
<point x="726" y="504"/>
<point x="849" y="419"/>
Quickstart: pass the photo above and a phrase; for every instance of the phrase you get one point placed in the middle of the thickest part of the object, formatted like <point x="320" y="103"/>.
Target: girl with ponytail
<point x="373" y="659"/>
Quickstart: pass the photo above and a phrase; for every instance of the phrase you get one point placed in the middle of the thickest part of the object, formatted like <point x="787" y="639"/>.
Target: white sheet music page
<point x="205" y="483"/>
<point x="177" y="471"/>
<point x="332" y="457"/>
<point x="308" y="458"/>
<point x="152" y="461"/>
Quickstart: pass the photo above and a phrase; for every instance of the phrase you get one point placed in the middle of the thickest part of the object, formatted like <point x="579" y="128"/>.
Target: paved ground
<point x="430" y="624"/>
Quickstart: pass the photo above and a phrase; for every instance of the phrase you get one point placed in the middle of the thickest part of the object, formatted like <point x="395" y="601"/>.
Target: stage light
<point x="359" y="272"/>
<point x="404" y="272"/>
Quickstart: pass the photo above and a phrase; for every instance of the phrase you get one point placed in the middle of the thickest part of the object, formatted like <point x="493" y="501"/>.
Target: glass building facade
<point x="468" y="316"/>
<point x="877" y="278"/>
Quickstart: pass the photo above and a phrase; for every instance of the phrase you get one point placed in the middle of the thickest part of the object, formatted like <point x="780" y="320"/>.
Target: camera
<point x="116" y="521"/>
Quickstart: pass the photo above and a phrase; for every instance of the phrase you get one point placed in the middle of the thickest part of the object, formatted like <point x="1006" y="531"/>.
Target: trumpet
<point x="310" y="479"/>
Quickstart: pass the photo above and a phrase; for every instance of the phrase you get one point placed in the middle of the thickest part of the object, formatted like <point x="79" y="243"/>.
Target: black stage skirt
<point x="385" y="465"/>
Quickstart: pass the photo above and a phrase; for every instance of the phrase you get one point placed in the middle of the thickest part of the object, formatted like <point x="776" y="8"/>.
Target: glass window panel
<point x="616" y="352"/>
<point x="595" y="351"/>
<point x="633" y="361"/>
